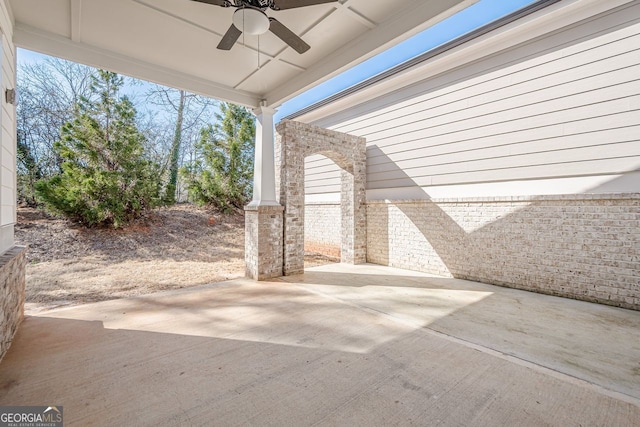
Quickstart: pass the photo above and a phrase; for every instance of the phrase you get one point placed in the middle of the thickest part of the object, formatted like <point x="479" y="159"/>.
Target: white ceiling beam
<point x="177" y="17"/>
<point x="193" y="24"/>
<point x="356" y="15"/>
<point x="409" y="20"/>
<point x="51" y="44"/>
<point x="242" y="80"/>
<point x="76" y="20"/>
<point x="255" y="72"/>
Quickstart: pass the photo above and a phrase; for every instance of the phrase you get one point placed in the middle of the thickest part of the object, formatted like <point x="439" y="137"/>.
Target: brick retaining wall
<point x="585" y="247"/>
<point x="580" y="246"/>
<point x="12" y="283"/>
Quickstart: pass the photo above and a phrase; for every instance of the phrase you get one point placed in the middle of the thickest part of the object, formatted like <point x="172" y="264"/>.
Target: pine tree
<point x="223" y="176"/>
<point x="105" y="180"/>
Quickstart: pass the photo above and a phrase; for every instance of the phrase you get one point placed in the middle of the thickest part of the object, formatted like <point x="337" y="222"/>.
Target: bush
<point x="223" y="176"/>
<point x="105" y="178"/>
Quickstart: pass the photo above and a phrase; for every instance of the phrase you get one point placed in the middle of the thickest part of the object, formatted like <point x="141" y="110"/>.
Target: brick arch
<point x="294" y="142"/>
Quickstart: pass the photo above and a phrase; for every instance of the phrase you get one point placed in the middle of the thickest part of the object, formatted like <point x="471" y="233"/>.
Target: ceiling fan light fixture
<point x="251" y="21"/>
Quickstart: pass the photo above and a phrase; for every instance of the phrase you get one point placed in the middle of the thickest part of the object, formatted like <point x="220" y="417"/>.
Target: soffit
<point x="173" y="42"/>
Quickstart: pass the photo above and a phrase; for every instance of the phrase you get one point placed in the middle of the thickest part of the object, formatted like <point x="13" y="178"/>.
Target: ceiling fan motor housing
<point x="250" y="20"/>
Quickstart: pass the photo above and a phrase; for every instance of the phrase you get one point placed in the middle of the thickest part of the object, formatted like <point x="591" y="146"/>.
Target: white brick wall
<point x="322" y="225"/>
<point x="580" y="246"/>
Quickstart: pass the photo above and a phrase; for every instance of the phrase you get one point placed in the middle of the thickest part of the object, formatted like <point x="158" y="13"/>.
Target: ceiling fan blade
<point x="230" y="38"/>
<point x="223" y="3"/>
<point x="291" y="4"/>
<point x="288" y="36"/>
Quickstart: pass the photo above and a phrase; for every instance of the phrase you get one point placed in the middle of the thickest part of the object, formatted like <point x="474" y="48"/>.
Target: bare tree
<point x="190" y="113"/>
<point x="48" y="94"/>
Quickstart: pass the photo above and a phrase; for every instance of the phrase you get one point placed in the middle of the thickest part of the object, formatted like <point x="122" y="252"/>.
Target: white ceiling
<point x="173" y="42"/>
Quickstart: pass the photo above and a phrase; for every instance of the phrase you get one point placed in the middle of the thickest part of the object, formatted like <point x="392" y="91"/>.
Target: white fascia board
<point x="410" y="20"/>
<point x="52" y="44"/>
<point x="538" y="24"/>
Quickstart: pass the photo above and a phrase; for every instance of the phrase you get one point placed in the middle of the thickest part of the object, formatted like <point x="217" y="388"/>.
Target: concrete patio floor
<point x="340" y="345"/>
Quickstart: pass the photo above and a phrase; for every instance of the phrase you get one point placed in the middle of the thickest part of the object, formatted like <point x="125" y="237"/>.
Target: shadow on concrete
<point x="274" y="354"/>
<point x="593" y="342"/>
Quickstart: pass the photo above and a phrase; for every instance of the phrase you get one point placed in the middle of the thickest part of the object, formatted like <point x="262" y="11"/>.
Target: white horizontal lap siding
<point x="515" y="104"/>
<point x="567" y="104"/>
<point x="7" y="134"/>
<point x="322" y="175"/>
<point x="518" y="65"/>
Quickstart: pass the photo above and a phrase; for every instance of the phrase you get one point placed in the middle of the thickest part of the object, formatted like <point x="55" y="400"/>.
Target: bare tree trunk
<point x="170" y="194"/>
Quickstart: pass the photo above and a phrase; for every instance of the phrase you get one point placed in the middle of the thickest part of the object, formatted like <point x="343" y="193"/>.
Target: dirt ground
<point x="171" y="248"/>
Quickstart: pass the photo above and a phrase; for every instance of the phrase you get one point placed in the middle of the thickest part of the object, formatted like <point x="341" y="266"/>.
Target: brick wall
<point x="294" y="142"/>
<point x="322" y="227"/>
<point x="580" y="246"/>
<point x="263" y="241"/>
<point x="12" y="282"/>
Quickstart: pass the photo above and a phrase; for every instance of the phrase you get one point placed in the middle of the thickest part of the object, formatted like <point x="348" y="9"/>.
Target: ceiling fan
<point x="251" y="18"/>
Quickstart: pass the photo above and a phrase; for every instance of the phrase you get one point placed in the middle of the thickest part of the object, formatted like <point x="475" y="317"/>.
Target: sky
<point x="482" y="12"/>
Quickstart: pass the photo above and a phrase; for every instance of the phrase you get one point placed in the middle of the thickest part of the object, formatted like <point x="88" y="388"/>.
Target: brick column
<point x="263" y="216"/>
<point x="291" y="153"/>
<point x="263" y="241"/>
<point x="353" y="208"/>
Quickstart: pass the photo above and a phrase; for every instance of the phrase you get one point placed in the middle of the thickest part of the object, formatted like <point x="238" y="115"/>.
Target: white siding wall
<point x="7" y="132"/>
<point x="322" y="175"/>
<point x="559" y="114"/>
